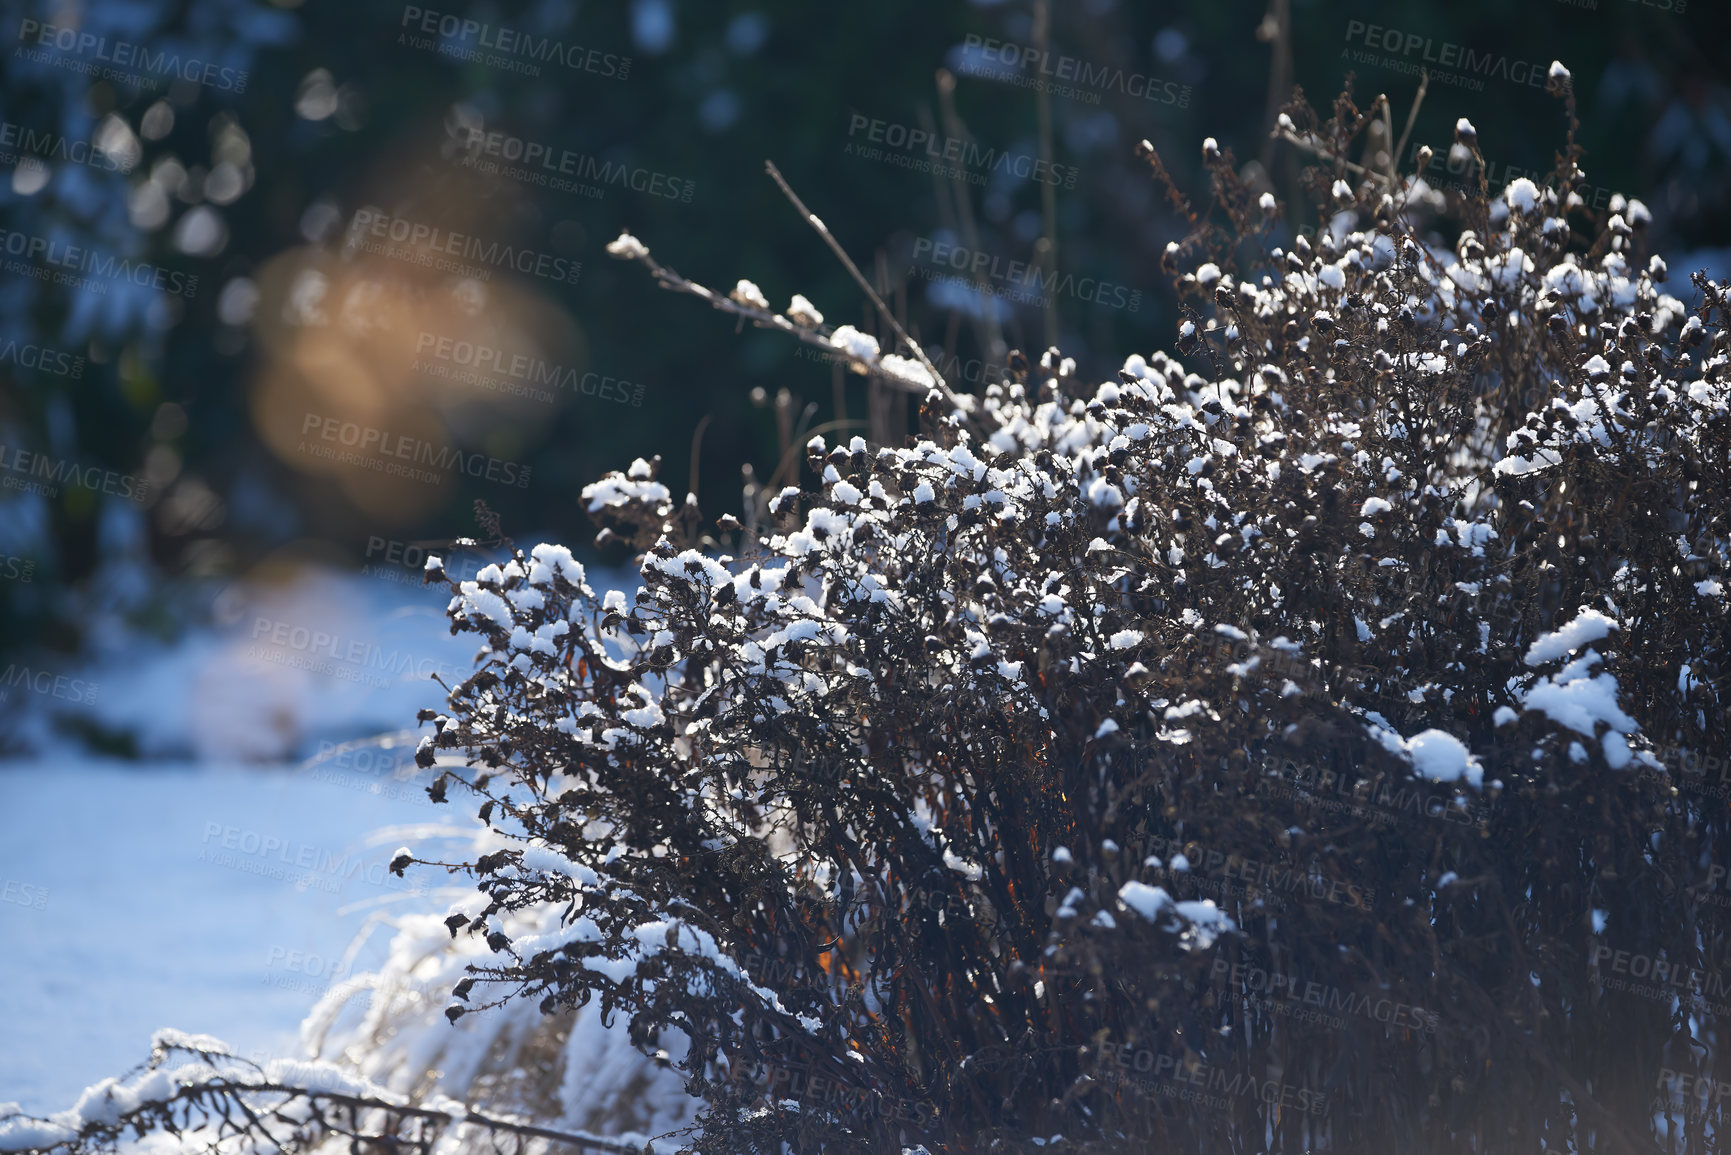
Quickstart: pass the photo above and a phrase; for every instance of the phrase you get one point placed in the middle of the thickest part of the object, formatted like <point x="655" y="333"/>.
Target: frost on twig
<point x="812" y="219"/>
<point x="801" y="321"/>
<point x="915" y="374"/>
<point x="194" y="1087"/>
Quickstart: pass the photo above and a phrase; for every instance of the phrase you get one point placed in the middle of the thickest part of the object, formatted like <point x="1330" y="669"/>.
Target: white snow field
<point x="214" y="885"/>
<point x="236" y="871"/>
<point x="214" y="899"/>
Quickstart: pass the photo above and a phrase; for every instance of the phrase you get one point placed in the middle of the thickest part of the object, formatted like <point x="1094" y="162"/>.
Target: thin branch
<point x="232" y="1090"/>
<point x="1412" y="114"/>
<point x="791" y="456"/>
<point x="993" y="341"/>
<point x="1279" y="69"/>
<point x="817" y="336"/>
<point x="1310" y="146"/>
<point x="696" y="454"/>
<point x="859" y="277"/>
<point x="1389" y="156"/>
<point x="1047" y="252"/>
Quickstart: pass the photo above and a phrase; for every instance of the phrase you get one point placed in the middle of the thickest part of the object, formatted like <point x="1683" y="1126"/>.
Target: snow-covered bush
<point x="568" y="1072"/>
<point x="1265" y="750"/>
<point x="867" y="802"/>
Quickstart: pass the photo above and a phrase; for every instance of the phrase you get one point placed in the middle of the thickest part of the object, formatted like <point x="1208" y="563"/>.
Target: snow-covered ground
<point x="213" y="899"/>
<point x="215" y="884"/>
<point x="288" y="662"/>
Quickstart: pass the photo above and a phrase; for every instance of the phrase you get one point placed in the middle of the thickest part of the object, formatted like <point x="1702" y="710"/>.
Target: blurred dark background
<point x="214" y="397"/>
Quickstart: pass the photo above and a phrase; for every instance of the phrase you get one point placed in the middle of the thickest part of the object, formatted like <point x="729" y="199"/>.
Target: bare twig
<point x="1388" y="155"/>
<point x="1047" y="250"/>
<point x="987" y="325"/>
<point x="817" y="336"/>
<point x="790" y="458"/>
<point x="1276" y="27"/>
<point x="231" y="1090"/>
<point x="1412" y="113"/>
<point x="815" y="222"/>
<point x="696" y="454"/>
<point x="1309" y="145"/>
